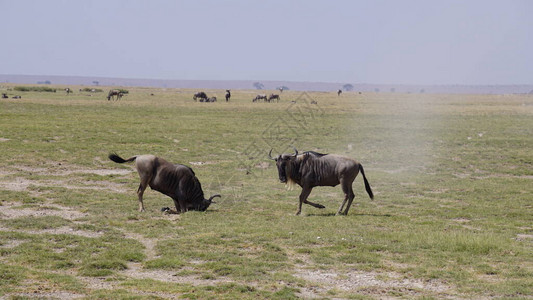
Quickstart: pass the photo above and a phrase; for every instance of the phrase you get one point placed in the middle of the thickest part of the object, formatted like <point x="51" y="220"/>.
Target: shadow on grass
<point x="335" y="215"/>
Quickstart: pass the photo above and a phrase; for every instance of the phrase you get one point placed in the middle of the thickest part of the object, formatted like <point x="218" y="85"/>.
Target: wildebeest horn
<point x="295" y="152"/>
<point x="270" y="155"/>
<point x="210" y="200"/>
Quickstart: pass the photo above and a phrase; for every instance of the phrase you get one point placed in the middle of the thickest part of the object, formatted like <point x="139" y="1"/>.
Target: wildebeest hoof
<point x="320" y="206"/>
<point x="165" y="209"/>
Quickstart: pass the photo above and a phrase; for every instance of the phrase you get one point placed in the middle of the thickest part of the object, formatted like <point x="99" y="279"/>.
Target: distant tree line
<point x="347" y="87"/>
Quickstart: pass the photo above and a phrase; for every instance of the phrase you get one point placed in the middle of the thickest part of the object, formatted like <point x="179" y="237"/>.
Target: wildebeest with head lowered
<point x="200" y="95"/>
<point x="259" y="97"/>
<point x="114" y="93"/>
<point x="174" y="180"/>
<point x="311" y="169"/>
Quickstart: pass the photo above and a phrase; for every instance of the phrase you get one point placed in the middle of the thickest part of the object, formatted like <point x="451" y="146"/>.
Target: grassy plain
<point x="452" y="216"/>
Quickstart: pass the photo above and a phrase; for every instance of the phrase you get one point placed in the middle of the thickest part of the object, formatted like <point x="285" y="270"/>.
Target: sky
<point x="377" y="42"/>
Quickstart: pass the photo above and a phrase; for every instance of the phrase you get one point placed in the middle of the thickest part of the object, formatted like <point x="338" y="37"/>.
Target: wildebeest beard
<point x="292" y="171"/>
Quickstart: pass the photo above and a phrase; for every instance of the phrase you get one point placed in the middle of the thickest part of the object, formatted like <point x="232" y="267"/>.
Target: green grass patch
<point x="451" y="175"/>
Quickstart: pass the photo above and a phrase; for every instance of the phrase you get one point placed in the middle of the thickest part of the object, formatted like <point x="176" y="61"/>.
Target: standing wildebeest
<point x="339" y="92"/>
<point x="312" y="169"/>
<point x="200" y="95"/>
<point x="174" y="180"/>
<point x="272" y="97"/>
<point x="68" y="90"/>
<point x="114" y="93"/>
<point x="259" y="97"/>
<point x="228" y="95"/>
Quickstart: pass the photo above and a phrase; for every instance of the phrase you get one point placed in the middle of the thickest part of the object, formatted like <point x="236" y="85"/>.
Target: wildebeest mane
<point x="296" y="165"/>
<point x="315" y="153"/>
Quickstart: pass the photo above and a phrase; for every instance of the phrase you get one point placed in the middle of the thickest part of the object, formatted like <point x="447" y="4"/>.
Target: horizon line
<point x="275" y="81"/>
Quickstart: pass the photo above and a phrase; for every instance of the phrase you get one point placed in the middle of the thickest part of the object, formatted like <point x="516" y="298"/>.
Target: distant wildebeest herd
<point x="116" y="94"/>
<point x="264" y="97"/>
<point x="202" y="97"/>
<point x="308" y="169"/>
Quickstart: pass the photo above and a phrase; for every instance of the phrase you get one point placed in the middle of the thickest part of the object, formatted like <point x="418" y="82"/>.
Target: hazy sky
<point x="402" y="42"/>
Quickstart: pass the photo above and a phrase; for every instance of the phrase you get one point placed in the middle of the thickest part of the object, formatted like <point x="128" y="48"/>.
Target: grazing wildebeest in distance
<point x="174" y="180"/>
<point x="228" y="95"/>
<point x="200" y="95"/>
<point x="311" y="169"/>
<point x="259" y="97"/>
<point x="114" y="94"/>
<point x="339" y="92"/>
<point x="273" y="97"/>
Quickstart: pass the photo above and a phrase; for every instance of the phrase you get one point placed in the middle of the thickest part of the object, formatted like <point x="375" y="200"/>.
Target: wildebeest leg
<point x="314" y="204"/>
<point x="348" y="191"/>
<point x="140" y="193"/>
<point x="179" y="202"/>
<point x="183" y="207"/>
<point x="145" y="180"/>
<point x="342" y="205"/>
<point x="303" y="198"/>
<point x="177" y="205"/>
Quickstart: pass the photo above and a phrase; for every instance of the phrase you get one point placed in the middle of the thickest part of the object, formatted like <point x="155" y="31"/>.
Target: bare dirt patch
<point x="58" y="169"/>
<point x="14" y="210"/>
<point x="357" y="281"/>
<point x="49" y="295"/>
<point x="149" y="244"/>
<point x="11" y="244"/>
<point x="20" y="184"/>
<point x="135" y="270"/>
<point x="60" y="230"/>
<point x="524" y="237"/>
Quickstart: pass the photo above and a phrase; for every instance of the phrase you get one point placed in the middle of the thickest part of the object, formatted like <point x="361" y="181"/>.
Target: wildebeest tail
<point x="367" y="185"/>
<point x="114" y="157"/>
